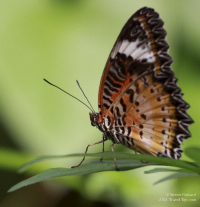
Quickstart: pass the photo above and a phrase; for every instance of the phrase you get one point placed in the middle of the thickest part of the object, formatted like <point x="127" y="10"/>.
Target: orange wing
<point x="139" y="47"/>
<point x="138" y="90"/>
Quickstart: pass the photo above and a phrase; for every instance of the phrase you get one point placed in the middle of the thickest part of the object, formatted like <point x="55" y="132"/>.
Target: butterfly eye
<point x="94" y="119"/>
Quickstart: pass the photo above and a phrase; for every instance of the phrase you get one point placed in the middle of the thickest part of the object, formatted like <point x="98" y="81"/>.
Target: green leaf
<point x="176" y="175"/>
<point x="129" y="162"/>
<point x="85" y="168"/>
<point x="193" y="153"/>
<point x="119" y="155"/>
<point x="24" y="167"/>
<point x="155" y="170"/>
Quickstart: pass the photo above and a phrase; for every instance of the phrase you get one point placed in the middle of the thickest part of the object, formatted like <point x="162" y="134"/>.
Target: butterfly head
<point x="94" y="118"/>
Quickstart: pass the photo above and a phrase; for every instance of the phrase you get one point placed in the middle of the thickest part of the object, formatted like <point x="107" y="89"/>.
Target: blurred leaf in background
<point x="65" y="41"/>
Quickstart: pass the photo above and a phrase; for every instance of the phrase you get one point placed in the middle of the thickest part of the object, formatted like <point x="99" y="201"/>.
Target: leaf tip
<point x="11" y="190"/>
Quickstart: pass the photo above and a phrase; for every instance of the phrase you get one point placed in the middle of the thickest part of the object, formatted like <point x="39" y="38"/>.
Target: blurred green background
<point x="68" y="40"/>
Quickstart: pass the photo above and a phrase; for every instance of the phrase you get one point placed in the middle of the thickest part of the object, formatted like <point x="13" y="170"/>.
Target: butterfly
<point x="140" y="105"/>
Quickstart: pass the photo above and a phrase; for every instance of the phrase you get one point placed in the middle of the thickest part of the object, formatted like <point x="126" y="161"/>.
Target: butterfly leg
<point x="112" y="148"/>
<point x="104" y="139"/>
<point x="86" y="152"/>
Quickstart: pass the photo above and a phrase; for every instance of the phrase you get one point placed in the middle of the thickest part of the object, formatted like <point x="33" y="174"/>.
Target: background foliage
<point x="64" y="41"/>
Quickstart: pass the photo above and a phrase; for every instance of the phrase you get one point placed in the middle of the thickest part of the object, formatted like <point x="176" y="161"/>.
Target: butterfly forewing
<point x="140" y="103"/>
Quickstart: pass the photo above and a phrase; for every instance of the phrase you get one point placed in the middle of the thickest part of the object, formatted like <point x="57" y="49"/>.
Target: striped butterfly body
<point x="140" y="104"/>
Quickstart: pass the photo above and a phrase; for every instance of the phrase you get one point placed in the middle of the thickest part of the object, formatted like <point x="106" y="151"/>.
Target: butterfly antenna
<point x="85" y="95"/>
<point x="68" y="94"/>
